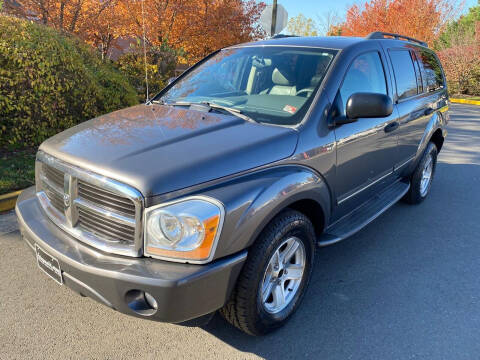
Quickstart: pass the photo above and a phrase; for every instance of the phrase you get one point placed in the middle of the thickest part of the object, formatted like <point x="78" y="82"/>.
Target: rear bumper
<point x="182" y="291"/>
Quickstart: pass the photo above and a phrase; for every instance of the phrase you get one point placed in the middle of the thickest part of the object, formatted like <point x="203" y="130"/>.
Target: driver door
<point x="367" y="148"/>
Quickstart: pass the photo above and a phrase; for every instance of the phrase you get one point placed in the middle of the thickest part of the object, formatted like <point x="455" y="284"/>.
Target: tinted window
<point x="419" y="74"/>
<point x="433" y="70"/>
<point x="404" y="71"/>
<point x="364" y="75"/>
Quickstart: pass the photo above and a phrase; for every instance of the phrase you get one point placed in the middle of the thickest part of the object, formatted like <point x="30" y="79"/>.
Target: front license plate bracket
<point x="49" y="265"/>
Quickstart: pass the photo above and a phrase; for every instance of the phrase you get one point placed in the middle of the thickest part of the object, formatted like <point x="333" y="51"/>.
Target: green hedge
<point x="161" y="62"/>
<point x="50" y="82"/>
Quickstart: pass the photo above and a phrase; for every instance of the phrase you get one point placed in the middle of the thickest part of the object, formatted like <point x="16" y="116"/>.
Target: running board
<point x="364" y="214"/>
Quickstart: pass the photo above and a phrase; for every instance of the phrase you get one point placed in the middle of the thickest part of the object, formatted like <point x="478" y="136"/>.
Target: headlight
<point x="185" y="231"/>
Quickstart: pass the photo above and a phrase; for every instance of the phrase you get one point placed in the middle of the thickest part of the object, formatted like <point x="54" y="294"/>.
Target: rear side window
<point x="432" y="69"/>
<point x="404" y="71"/>
<point x="365" y="74"/>
<point x="419" y="73"/>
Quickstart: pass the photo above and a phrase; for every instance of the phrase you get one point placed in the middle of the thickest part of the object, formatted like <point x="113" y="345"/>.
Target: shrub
<point x="50" y="82"/>
<point x="462" y="68"/>
<point x="161" y="62"/>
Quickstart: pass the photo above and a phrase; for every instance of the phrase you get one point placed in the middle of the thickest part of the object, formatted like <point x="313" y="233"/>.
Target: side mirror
<point x="368" y="105"/>
<point x="172" y="79"/>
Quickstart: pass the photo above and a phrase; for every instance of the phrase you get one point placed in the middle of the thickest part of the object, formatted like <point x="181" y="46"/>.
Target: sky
<point x="315" y="8"/>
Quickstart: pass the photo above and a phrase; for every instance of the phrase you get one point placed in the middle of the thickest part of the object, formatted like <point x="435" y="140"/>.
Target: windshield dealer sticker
<point x="290" y="109"/>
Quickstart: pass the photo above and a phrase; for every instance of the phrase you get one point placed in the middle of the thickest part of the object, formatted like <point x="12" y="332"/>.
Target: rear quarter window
<point x="404" y="71"/>
<point x="432" y="70"/>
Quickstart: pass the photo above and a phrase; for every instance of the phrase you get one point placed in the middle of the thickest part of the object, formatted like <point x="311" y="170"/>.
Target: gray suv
<point x="215" y="194"/>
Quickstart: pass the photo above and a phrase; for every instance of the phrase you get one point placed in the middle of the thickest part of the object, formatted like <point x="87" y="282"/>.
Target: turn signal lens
<point x="183" y="231"/>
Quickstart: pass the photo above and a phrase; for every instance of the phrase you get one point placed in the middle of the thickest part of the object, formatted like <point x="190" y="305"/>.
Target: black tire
<point x="245" y="309"/>
<point x="415" y="195"/>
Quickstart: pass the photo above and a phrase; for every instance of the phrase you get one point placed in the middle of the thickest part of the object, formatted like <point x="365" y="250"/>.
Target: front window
<point x="365" y="74"/>
<point x="268" y="84"/>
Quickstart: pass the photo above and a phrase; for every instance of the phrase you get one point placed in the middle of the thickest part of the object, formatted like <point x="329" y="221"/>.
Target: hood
<point x="158" y="149"/>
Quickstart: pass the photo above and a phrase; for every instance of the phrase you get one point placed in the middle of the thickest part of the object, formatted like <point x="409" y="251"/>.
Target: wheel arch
<point x="435" y="132"/>
<point x="313" y="211"/>
<point x="254" y="203"/>
<point x="438" y="139"/>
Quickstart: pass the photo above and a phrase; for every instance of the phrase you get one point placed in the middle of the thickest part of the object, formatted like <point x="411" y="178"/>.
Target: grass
<point x="17" y="170"/>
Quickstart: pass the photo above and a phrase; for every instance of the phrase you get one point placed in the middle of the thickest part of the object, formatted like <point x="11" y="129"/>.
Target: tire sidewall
<point x="298" y="229"/>
<point x="430" y="151"/>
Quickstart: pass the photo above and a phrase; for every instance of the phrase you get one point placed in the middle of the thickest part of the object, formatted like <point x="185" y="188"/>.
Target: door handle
<point x="391" y="127"/>
<point x="428" y="111"/>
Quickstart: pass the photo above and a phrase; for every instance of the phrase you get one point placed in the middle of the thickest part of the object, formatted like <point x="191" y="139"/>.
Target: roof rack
<point x="381" y="35"/>
<point x="280" y="36"/>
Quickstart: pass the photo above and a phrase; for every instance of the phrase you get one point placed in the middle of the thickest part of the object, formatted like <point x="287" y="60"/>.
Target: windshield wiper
<point x="235" y="112"/>
<point x="213" y="106"/>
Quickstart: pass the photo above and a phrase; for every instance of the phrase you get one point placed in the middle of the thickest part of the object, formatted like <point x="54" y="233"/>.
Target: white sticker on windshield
<point x="290" y="109"/>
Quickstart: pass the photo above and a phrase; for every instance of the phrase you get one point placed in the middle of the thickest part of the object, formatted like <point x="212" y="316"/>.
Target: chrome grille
<point x="54" y="175"/>
<point x="55" y="199"/>
<point x="92" y="208"/>
<point x="107" y="229"/>
<point x="106" y="199"/>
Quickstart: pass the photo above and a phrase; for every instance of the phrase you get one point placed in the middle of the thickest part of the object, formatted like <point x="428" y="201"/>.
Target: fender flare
<point x="436" y="122"/>
<point x="253" y="200"/>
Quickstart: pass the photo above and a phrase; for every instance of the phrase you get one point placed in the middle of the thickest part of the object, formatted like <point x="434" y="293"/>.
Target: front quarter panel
<point x="253" y="200"/>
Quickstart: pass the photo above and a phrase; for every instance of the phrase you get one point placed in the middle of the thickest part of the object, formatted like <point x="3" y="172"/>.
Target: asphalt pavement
<point x="405" y="287"/>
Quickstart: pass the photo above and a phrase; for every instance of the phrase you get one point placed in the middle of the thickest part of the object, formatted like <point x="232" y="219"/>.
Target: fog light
<point x="141" y="302"/>
<point x="151" y="301"/>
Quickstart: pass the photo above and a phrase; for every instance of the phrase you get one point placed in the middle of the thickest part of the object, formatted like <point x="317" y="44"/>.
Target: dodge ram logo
<point x="66" y="200"/>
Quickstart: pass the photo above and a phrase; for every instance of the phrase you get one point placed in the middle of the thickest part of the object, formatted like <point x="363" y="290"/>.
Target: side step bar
<point x="364" y="214"/>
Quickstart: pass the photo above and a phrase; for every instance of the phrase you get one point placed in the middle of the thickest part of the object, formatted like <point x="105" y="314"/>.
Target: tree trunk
<point x="73" y="24"/>
<point x="62" y="12"/>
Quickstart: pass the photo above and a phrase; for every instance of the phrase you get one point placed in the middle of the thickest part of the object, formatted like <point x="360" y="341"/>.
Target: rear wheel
<point x="275" y="276"/>
<point x="421" y="181"/>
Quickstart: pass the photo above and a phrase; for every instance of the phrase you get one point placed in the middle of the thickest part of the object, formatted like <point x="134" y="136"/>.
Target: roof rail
<point x="381" y="35"/>
<point x="280" y="36"/>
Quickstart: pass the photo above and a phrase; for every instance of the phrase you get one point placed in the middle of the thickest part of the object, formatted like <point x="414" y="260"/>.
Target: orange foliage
<point x="200" y="26"/>
<point x="196" y="26"/>
<point x="422" y="19"/>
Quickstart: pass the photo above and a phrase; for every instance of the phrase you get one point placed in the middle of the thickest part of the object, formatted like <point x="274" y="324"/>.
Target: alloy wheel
<point x="283" y="275"/>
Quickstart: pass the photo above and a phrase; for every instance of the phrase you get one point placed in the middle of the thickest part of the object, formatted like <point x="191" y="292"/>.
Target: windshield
<point x="268" y="84"/>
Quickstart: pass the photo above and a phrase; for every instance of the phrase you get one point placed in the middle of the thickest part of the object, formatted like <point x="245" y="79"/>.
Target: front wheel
<point x="422" y="177"/>
<point x="275" y="276"/>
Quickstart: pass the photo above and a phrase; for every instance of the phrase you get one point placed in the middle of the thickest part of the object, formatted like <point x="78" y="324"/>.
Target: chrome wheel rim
<point x="283" y="275"/>
<point x="426" y="176"/>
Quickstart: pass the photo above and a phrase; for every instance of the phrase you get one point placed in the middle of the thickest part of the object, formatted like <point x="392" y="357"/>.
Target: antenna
<point x="144" y="49"/>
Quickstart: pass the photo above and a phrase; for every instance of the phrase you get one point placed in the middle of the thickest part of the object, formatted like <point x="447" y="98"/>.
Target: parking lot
<point x="405" y="287"/>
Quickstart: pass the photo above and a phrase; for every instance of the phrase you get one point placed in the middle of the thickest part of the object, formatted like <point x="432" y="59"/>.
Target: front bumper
<point x="182" y="291"/>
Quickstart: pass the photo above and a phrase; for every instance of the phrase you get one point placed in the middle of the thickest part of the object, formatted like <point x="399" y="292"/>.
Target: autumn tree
<point x="327" y="21"/>
<point x="198" y="26"/>
<point x="96" y="22"/>
<point x="422" y="19"/>
<point x="302" y="26"/>
<point x="461" y="64"/>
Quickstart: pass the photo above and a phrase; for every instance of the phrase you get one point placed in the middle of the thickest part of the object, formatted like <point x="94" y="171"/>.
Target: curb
<point x="8" y="201"/>
<point x="465" y="101"/>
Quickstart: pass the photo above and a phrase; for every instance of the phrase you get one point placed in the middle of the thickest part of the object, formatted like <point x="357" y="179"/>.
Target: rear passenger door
<point x="416" y="98"/>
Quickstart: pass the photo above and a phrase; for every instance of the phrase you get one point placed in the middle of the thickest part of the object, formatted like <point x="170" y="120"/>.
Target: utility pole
<point x="274" y="17"/>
